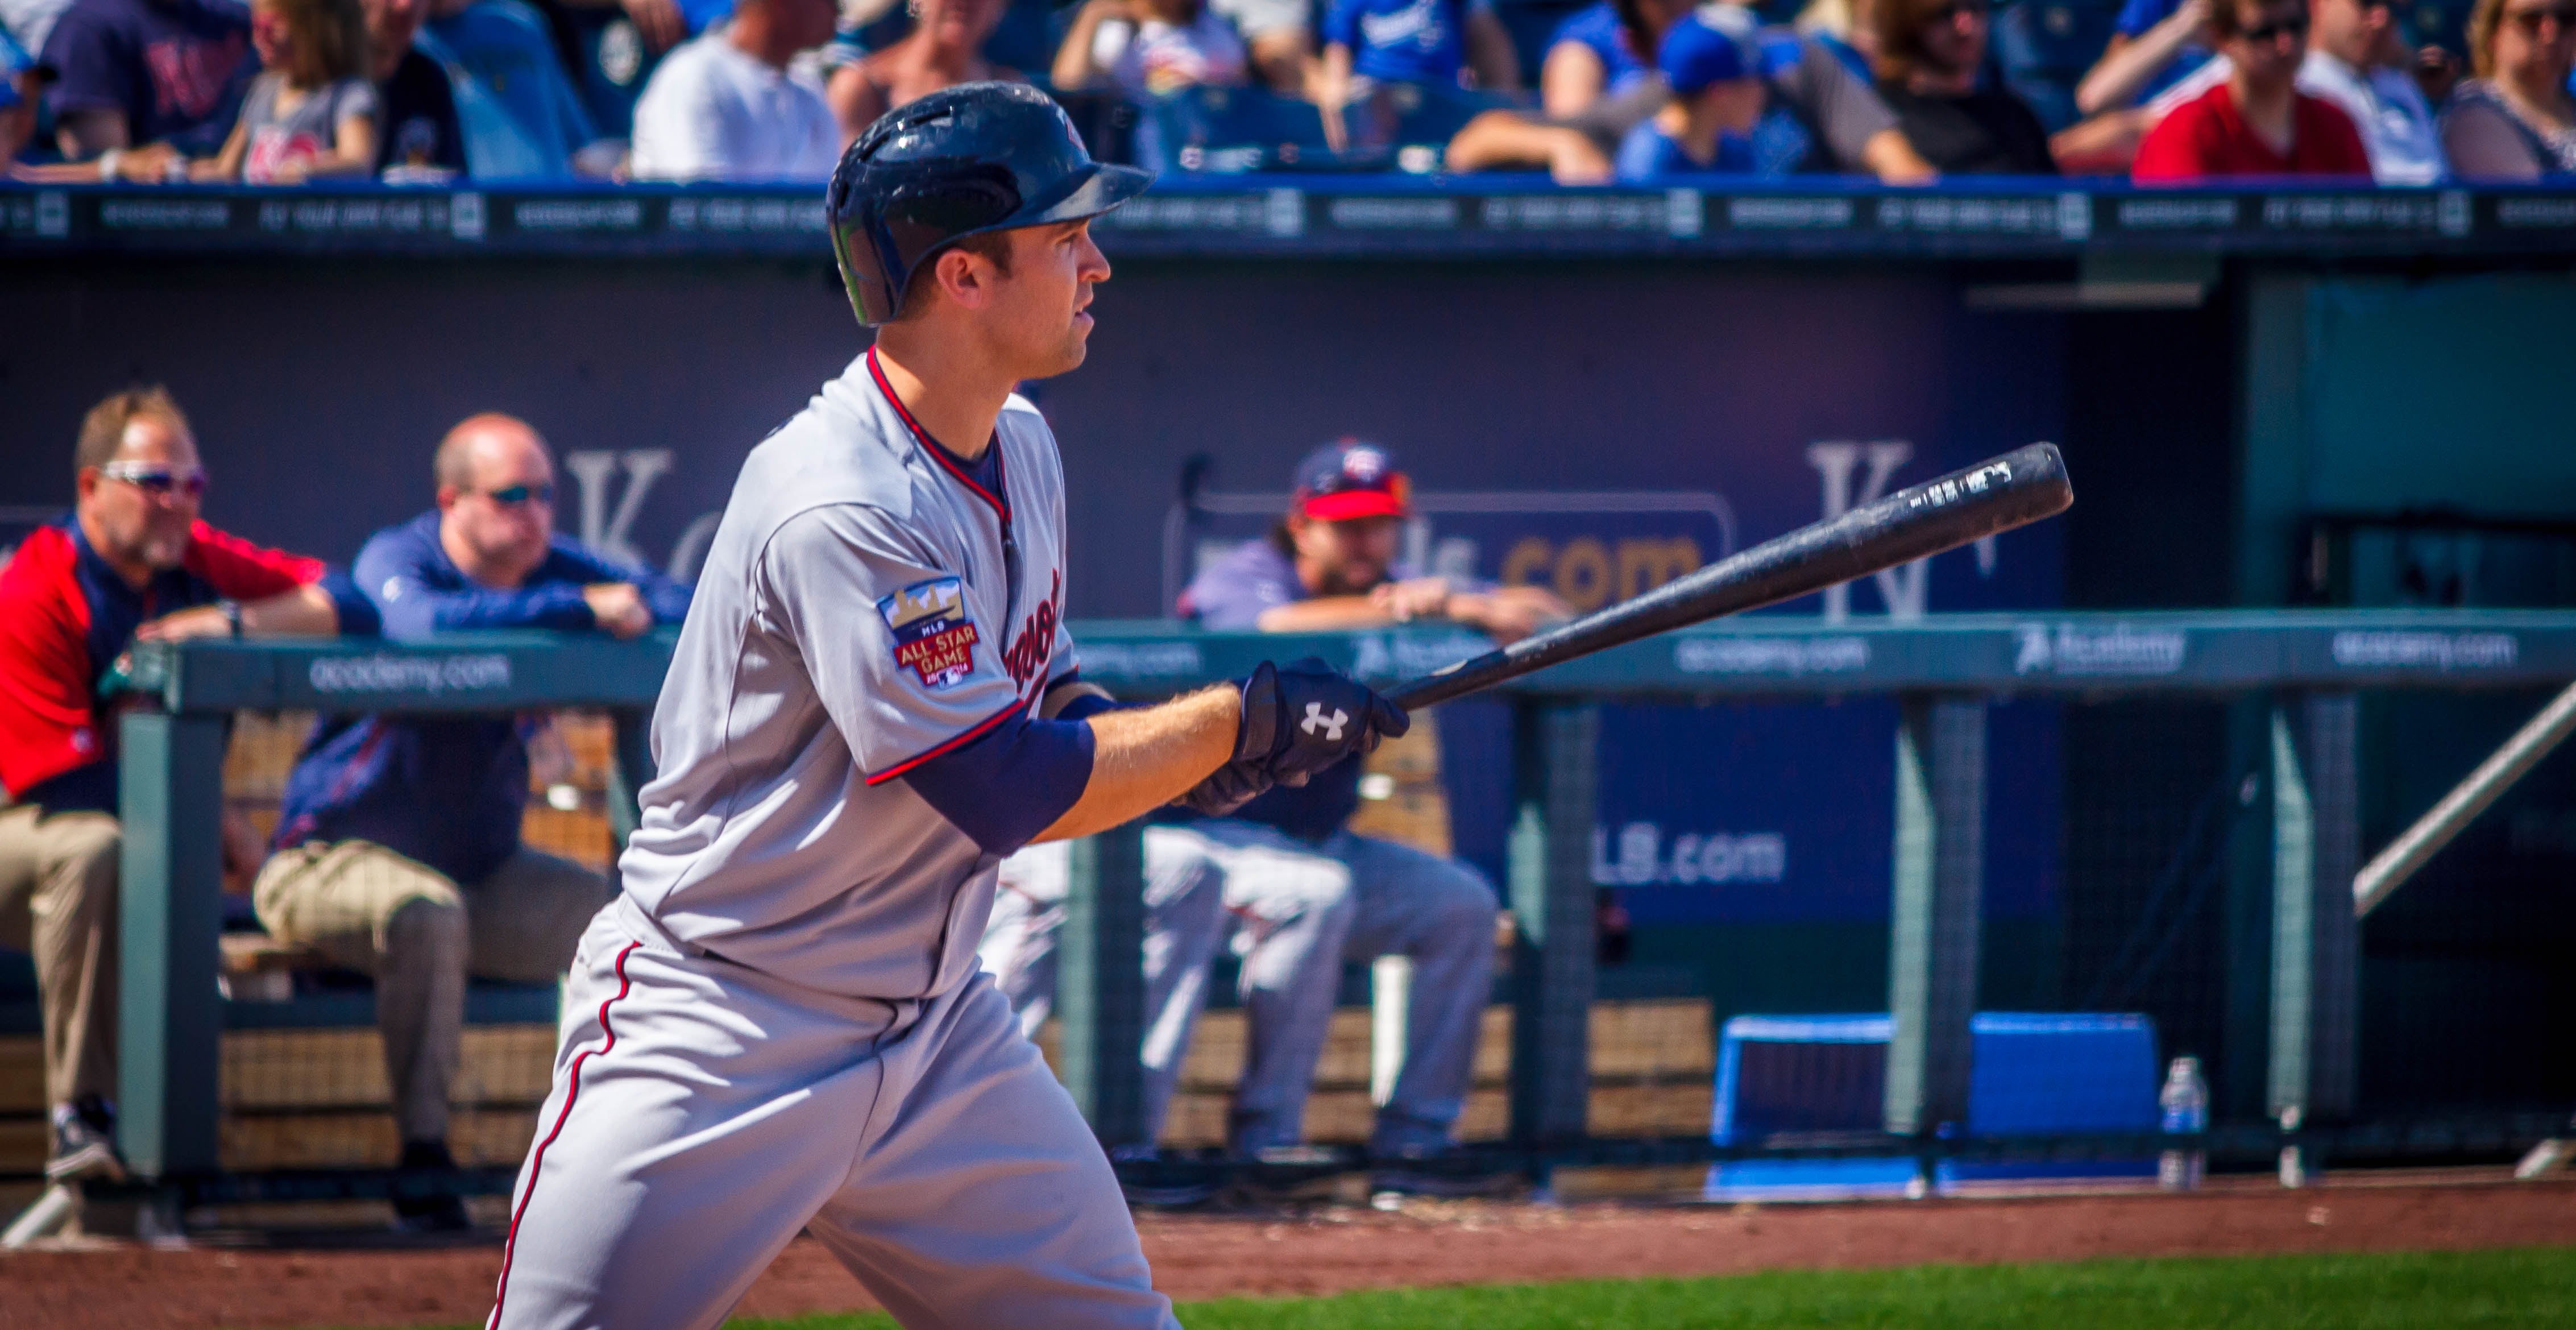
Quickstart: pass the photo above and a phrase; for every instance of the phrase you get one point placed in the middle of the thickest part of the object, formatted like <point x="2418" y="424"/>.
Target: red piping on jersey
<point x="939" y="454"/>
<point x="537" y="1161"/>
<point x="982" y="728"/>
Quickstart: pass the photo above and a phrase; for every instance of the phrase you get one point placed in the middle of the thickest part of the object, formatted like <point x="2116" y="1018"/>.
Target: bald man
<point x="397" y="848"/>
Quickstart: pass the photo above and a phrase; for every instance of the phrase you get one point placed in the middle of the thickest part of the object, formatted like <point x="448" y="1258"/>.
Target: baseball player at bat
<point x="779" y="1023"/>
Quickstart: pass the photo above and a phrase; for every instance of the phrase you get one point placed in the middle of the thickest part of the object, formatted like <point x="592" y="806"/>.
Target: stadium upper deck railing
<point x="2308" y="665"/>
<point x="1226" y="216"/>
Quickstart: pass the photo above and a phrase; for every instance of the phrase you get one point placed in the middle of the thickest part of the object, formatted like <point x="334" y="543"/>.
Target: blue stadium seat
<point x="497" y="146"/>
<point x="1106" y="120"/>
<point x="1231" y="130"/>
<point x="2044" y="48"/>
<point x="1428" y="113"/>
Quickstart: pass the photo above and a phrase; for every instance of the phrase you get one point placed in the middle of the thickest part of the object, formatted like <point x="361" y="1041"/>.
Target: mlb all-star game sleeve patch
<point x="934" y="637"/>
<point x="888" y="635"/>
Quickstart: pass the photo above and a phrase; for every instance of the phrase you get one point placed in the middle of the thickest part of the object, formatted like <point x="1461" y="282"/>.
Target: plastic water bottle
<point x="2185" y="1101"/>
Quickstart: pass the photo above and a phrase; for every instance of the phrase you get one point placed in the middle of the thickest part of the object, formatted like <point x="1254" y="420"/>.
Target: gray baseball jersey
<point x="864" y="608"/>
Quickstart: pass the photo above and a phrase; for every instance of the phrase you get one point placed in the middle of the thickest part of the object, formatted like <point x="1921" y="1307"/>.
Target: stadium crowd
<point x="279" y="92"/>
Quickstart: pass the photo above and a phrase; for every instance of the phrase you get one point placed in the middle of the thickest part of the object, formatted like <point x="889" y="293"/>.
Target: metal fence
<point x="2211" y="891"/>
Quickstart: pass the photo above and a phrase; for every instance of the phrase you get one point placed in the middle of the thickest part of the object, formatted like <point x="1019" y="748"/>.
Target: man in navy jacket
<point x="397" y="849"/>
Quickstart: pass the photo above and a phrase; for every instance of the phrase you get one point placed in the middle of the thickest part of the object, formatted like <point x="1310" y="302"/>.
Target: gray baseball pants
<point x="703" y="1113"/>
<point x="1297" y="911"/>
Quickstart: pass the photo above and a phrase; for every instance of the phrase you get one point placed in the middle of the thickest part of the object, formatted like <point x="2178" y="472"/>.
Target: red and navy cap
<point x="1350" y="479"/>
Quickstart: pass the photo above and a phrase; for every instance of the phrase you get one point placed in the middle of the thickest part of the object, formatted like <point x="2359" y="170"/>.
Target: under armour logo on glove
<point x="1331" y="725"/>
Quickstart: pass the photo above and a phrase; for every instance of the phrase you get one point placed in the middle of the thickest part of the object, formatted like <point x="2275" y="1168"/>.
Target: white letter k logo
<point x="1331" y="725"/>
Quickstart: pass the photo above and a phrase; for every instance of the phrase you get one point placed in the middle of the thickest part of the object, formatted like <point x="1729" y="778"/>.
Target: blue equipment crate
<point x="1811" y="1079"/>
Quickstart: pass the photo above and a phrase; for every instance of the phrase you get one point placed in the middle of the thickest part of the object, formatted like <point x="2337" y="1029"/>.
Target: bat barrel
<point x="1994" y="496"/>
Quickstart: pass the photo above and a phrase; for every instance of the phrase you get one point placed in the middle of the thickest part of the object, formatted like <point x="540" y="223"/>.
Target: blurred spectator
<point x="944" y="48"/>
<point x="2154" y="44"/>
<point x="313" y="112"/>
<point x="143" y="85"/>
<point x="1434" y="43"/>
<point x="132" y="562"/>
<point x="726" y="106"/>
<point x="1848" y="28"/>
<point x="397" y="846"/>
<point x="609" y="48"/>
<point x="1716" y="101"/>
<point x="2257" y="122"/>
<point x="1281" y="38"/>
<point x="1443" y="43"/>
<point x="22" y="84"/>
<point x="2357" y="59"/>
<point x="1930" y="53"/>
<point x="508" y="50"/>
<point x="421" y="139"/>
<point x="1148" y="48"/>
<point x="28" y="22"/>
<point x="1589" y="56"/>
<point x="2515" y="120"/>
<point x="1818" y="117"/>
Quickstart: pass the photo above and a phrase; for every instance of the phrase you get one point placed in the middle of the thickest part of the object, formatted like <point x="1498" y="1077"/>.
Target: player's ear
<point x="964" y="276"/>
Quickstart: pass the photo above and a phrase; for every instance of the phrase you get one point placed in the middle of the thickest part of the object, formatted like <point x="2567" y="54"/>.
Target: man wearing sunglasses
<point x="132" y="563"/>
<point x="397" y="847"/>
<point x="2357" y="60"/>
<point x="2257" y="122"/>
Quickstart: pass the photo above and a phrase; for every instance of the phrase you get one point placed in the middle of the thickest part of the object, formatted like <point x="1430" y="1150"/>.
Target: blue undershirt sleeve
<point x="1010" y="784"/>
<point x="1089" y="705"/>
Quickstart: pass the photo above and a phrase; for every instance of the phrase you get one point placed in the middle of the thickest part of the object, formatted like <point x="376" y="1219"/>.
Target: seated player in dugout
<point x="1297" y="889"/>
<point x="132" y="562"/>
<point x="397" y="850"/>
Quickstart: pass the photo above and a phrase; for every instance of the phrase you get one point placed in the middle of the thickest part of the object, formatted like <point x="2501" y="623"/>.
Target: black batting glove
<point x="1297" y="720"/>
<point x="1304" y="716"/>
<point x="1229" y="788"/>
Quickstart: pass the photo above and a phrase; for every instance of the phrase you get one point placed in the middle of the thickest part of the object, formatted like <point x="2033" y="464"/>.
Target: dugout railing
<point x="2298" y="673"/>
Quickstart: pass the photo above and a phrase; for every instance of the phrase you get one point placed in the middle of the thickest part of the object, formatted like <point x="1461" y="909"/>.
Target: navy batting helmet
<point x="962" y="161"/>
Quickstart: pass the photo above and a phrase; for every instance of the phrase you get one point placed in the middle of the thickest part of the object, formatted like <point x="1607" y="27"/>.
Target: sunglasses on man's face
<point x="1949" y="13"/>
<point x="2285" y="26"/>
<point x="516" y="495"/>
<point x="158" y="481"/>
<point x="2529" y="20"/>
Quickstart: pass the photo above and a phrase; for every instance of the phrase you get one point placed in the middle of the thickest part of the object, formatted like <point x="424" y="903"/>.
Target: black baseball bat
<point x="2013" y="490"/>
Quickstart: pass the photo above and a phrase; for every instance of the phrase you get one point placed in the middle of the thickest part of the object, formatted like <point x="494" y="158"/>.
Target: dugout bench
<point x="2303" y="668"/>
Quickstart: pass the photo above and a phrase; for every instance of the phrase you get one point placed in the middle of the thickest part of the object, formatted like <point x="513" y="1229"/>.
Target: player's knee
<point x="1462" y="899"/>
<point x="426" y="926"/>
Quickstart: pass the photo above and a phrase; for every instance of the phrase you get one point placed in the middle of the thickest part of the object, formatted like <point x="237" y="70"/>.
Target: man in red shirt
<point x="132" y="563"/>
<point x="2257" y="122"/>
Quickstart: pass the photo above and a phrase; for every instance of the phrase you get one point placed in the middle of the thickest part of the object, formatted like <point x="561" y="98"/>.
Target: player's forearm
<point x="1323" y="614"/>
<point x="1145" y="758"/>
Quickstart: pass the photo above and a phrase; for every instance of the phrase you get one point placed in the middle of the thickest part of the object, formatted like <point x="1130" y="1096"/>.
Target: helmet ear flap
<point x="859" y="246"/>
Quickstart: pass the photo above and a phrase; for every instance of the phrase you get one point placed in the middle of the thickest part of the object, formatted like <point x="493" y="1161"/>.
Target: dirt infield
<point x="1334" y="1250"/>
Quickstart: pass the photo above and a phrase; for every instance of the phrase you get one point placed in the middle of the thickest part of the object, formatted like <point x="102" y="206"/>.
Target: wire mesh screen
<point x="2153" y="808"/>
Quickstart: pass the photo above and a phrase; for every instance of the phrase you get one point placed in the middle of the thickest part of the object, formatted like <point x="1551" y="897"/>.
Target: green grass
<point x="2414" y="1290"/>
